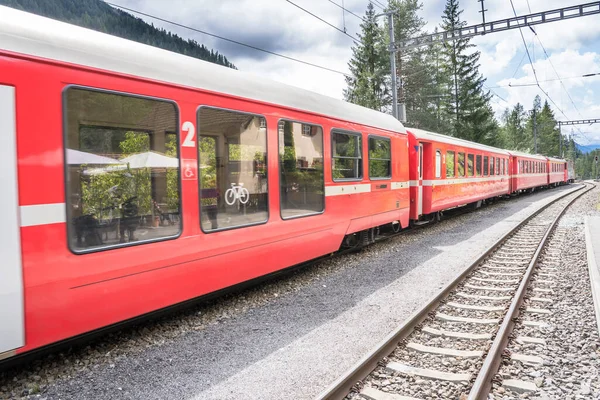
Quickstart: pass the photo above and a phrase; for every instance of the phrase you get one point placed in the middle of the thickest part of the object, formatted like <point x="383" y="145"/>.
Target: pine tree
<point x="467" y="105"/>
<point x="514" y="134"/>
<point x="368" y="84"/>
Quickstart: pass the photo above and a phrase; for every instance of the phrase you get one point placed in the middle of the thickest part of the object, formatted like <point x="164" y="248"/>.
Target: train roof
<point x="556" y="159"/>
<point x="438" y="137"/>
<point x="521" y="154"/>
<point x="30" y="34"/>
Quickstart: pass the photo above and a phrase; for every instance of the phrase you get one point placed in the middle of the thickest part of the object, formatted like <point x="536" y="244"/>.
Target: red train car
<point x="557" y="171"/>
<point x="447" y="172"/>
<point x="528" y="171"/>
<point x="136" y="178"/>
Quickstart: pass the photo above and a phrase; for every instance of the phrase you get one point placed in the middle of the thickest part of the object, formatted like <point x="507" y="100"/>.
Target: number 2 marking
<point x="191" y="132"/>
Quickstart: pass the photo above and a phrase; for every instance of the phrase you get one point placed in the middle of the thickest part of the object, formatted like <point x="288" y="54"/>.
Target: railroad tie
<point x="478" y="297"/>
<point x="457" y="335"/>
<point x="452" y="318"/>
<point x="519" y="386"/>
<point x="428" y="373"/>
<point x="527" y="359"/>
<point x="529" y="339"/>
<point x="444" y="351"/>
<point x="490" y="288"/>
<point x="495" y="280"/>
<point x="474" y="307"/>
<point x="371" y="393"/>
<point x="500" y="273"/>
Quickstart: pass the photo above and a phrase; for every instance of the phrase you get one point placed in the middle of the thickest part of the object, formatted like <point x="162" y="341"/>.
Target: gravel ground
<point x="293" y="336"/>
<point x="571" y="368"/>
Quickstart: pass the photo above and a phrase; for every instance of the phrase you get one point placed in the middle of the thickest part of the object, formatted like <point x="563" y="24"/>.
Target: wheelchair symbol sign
<point x="188" y="170"/>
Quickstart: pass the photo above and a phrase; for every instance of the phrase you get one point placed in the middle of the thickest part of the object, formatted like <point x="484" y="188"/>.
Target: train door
<point x="11" y="277"/>
<point x="420" y="187"/>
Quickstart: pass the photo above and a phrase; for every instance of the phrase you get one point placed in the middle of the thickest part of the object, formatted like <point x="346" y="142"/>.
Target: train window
<point x="438" y="164"/>
<point x="461" y="164"/>
<point x="497" y="166"/>
<point x="486" y="165"/>
<point x="492" y="162"/>
<point x="470" y="162"/>
<point x="478" y="165"/>
<point x="347" y="156"/>
<point x="380" y="158"/>
<point x="301" y="176"/>
<point x="449" y="164"/>
<point x="232" y="158"/>
<point x="122" y="169"/>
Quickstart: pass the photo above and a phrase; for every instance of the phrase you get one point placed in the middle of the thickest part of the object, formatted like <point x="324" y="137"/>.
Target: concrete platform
<point x="592" y="238"/>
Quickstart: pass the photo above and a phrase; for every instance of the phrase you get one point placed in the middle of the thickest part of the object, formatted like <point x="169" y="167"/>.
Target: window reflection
<point x="301" y="169"/>
<point x="347" y="156"/>
<point x="233" y="169"/>
<point x="122" y="169"/>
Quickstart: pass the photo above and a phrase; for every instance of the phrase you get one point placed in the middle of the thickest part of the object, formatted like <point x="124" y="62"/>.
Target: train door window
<point x="449" y="164"/>
<point x="380" y="158"/>
<point x="438" y="164"/>
<point x="478" y="165"/>
<point x="461" y="164"/>
<point x="301" y="176"/>
<point x="470" y="162"/>
<point x="492" y="162"/>
<point x="232" y="157"/>
<point x="486" y="165"/>
<point x="122" y="169"/>
<point x="347" y="156"/>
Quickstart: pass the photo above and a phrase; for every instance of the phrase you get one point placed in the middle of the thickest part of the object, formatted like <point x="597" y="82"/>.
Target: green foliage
<point x="369" y="67"/>
<point x="467" y="104"/>
<point x="99" y="16"/>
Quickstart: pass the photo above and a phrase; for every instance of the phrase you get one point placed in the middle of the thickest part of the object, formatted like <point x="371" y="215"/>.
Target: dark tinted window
<point x="478" y="165"/>
<point x="300" y="169"/>
<point x="380" y="158"/>
<point x="347" y="155"/>
<point x="233" y="169"/>
<point x="492" y="162"/>
<point x="122" y="169"/>
<point x="486" y="165"/>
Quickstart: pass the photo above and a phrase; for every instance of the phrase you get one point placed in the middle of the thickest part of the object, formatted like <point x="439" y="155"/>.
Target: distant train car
<point x="557" y="171"/>
<point x="447" y="172"/>
<point x="570" y="171"/>
<point x="528" y="171"/>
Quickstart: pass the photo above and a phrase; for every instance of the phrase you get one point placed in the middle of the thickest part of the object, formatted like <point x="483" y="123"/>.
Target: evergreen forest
<point x="444" y="91"/>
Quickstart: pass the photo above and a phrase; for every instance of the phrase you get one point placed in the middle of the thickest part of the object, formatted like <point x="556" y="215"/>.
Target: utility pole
<point x="482" y="14"/>
<point x="393" y="64"/>
<point x="534" y="132"/>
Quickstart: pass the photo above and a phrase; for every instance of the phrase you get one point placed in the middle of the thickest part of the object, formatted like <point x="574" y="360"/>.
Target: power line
<point x="542" y="81"/>
<point x="377" y="4"/>
<point x="525" y="44"/>
<point x="345" y="9"/>
<point x="228" y="40"/>
<point x="495" y="94"/>
<point x="322" y="20"/>
<point x="381" y="4"/>
<point x="556" y="72"/>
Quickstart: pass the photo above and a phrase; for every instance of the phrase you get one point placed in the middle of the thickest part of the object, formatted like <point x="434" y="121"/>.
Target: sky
<point x="572" y="47"/>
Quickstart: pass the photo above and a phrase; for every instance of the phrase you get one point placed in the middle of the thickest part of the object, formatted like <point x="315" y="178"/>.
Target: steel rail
<point x="342" y="386"/>
<point x="483" y="383"/>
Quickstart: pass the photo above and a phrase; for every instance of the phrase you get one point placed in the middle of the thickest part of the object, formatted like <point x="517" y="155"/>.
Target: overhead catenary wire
<point x="345" y="9"/>
<point x="322" y="20"/>
<point x="228" y="40"/>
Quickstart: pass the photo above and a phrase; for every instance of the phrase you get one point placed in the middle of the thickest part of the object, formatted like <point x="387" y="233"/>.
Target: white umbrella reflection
<point x="76" y="157"/>
<point x="150" y="159"/>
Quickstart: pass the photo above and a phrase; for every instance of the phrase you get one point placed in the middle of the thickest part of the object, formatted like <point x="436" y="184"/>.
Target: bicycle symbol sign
<point x="237" y="193"/>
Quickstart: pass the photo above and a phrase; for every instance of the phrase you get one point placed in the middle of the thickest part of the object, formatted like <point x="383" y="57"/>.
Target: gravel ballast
<point x="289" y="338"/>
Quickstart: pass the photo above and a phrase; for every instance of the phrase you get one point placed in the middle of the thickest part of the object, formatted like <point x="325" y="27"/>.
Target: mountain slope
<point x="99" y="16"/>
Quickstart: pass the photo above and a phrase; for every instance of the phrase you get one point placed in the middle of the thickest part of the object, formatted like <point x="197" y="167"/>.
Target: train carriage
<point x="528" y="171"/>
<point x="557" y="168"/>
<point x="143" y="178"/>
<point x="447" y="172"/>
<point x="570" y="172"/>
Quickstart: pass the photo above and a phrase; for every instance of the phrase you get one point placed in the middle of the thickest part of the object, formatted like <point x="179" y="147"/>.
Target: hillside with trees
<point x="99" y="16"/>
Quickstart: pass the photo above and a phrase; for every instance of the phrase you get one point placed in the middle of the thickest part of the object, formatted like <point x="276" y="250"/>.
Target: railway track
<point x="453" y="347"/>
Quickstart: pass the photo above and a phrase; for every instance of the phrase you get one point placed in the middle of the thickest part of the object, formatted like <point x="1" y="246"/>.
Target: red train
<point x="136" y="178"/>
